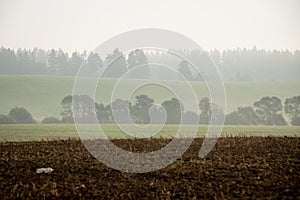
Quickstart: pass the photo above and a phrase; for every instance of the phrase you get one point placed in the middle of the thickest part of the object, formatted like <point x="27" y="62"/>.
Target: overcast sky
<point x="77" y="25"/>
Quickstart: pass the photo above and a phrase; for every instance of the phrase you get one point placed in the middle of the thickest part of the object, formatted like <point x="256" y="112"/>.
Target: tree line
<point x="58" y="62"/>
<point x="266" y="111"/>
<point x="234" y="64"/>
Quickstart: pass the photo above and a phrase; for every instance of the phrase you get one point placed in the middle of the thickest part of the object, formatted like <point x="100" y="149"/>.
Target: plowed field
<point x="237" y="168"/>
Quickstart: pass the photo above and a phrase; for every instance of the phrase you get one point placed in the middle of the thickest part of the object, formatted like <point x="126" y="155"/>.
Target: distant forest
<point x="234" y="64"/>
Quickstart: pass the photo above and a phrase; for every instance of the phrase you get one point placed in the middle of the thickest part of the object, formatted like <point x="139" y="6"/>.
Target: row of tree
<point x="58" y="62"/>
<point x="266" y="111"/>
<point x="235" y="64"/>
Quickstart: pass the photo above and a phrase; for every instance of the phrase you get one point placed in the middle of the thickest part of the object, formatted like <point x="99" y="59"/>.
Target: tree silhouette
<point x="157" y="115"/>
<point x="190" y="118"/>
<point x="80" y="107"/>
<point x="292" y="108"/>
<point x="217" y="114"/>
<point x="121" y="110"/>
<point x="140" y="110"/>
<point x="205" y="114"/>
<point x="243" y="116"/>
<point x="210" y="112"/>
<point x="93" y="64"/>
<point x="74" y="63"/>
<point x="57" y="62"/>
<point x="269" y="111"/>
<point x="21" y="116"/>
<point x="138" y="64"/>
<point x="5" y="119"/>
<point x="8" y="61"/>
<point x="67" y="114"/>
<point x="184" y="70"/>
<point x="50" y="120"/>
<point x="174" y="109"/>
<point x="115" y="64"/>
<point x="104" y="115"/>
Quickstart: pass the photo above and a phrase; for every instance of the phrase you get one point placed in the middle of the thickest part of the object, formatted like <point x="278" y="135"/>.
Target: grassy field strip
<point x="28" y="132"/>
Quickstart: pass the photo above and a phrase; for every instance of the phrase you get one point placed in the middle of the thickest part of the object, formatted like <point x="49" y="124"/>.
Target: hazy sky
<point x="77" y="25"/>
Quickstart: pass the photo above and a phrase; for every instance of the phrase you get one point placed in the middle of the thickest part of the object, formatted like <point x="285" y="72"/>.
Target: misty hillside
<point x="234" y="64"/>
<point x="42" y="95"/>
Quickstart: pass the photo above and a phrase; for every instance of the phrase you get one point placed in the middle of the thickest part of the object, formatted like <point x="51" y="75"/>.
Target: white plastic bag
<point x="44" y="170"/>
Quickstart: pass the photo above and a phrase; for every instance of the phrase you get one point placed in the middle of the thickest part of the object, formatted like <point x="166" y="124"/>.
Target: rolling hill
<point x="42" y="95"/>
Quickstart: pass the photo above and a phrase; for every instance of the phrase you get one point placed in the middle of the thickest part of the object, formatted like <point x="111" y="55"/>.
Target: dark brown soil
<point x="238" y="168"/>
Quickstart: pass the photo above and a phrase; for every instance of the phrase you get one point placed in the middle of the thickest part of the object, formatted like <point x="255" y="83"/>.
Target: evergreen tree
<point x="115" y="64"/>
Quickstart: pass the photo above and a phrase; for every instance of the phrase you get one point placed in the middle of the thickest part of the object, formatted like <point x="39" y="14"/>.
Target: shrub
<point x="4" y="119"/>
<point x="243" y="116"/>
<point x="67" y="120"/>
<point x="21" y="116"/>
<point x="51" y="120"/>
<point x="292" y="108"/>
<point x="296" y="121"/>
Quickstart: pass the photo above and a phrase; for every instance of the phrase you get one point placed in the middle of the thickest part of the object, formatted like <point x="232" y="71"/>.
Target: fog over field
<point x="78" y="25"/>
<point x="151" y="99"/>
<point x="250" y="49"/>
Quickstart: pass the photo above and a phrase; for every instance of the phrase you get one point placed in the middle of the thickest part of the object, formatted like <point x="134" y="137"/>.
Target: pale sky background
<point x="78" y="25"/>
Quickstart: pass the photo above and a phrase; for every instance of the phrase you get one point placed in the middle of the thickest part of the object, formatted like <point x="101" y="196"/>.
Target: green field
<point x="42" y="95"/>
<point x="29" y="132"/>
